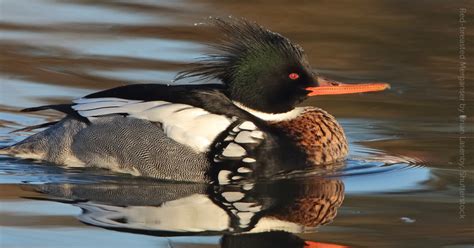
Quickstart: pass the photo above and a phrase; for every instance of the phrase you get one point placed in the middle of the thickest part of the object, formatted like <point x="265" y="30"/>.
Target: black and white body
<point x="248" y="125"/>
<point x="145" y="131"/>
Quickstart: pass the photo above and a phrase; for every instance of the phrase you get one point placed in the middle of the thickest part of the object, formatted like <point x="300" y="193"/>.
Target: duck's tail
<point x="63" y="108"/>
<point x="34" y="127"/>
<point x="48" y="141"/>
<point x="23" y="149"/>
<point x="52" y="144"/>
<point x="4" y="150"/>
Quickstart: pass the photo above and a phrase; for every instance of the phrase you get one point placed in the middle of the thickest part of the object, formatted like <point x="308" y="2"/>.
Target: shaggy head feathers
<point x="254" y="64"/>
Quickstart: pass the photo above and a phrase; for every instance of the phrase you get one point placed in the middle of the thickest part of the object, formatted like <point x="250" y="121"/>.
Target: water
<point x="402" y="185"/>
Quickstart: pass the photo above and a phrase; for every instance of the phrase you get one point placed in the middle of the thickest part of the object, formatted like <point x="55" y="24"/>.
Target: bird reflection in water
<point x="257" y="214"/>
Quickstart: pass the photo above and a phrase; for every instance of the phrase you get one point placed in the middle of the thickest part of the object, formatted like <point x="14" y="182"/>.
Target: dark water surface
<point x="408" y="180"/>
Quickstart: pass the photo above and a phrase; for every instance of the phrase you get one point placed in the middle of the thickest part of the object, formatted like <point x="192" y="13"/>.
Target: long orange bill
<point x="332" y="87"/>
<point x="312" y="244"/>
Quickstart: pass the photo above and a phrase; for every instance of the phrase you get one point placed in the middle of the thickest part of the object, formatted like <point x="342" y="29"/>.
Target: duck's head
<point x="264" y="71"/>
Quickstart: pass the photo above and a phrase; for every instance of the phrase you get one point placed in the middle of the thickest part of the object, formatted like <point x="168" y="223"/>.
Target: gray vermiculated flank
<point x="134" y="143"/>
<point x="117" y="143"/>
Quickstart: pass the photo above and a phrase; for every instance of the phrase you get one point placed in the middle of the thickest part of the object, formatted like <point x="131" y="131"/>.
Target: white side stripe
<point x="184" y="123"/>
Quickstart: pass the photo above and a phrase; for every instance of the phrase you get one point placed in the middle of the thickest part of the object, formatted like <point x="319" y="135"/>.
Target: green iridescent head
<point x="259" y="68"/>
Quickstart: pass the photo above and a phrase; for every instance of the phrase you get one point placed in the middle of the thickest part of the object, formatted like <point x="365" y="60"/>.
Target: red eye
<point x="293" y="76"/>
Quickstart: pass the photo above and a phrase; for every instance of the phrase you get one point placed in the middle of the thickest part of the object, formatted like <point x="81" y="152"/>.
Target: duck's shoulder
<point x="190" y="114"/>
<point x="209" y="97"/>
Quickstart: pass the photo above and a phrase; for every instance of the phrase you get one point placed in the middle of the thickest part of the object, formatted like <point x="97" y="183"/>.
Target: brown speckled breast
<point x="318" y="134"/>
<point x="317" y="204"/>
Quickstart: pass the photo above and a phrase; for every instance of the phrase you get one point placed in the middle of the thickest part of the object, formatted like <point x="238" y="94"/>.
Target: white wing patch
<point x="234" y="150"/>
<point x="245" y="137"/>
<point x="183" y="123"/>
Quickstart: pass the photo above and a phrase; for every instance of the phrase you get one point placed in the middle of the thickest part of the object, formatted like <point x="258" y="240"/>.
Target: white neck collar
<point x="270" y="116"/>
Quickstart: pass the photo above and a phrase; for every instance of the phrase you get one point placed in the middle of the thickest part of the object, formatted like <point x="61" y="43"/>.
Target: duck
<point x="299" y="205"/>
<point x="247" y="124"/>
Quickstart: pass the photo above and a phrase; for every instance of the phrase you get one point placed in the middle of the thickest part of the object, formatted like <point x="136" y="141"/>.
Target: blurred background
<point x="408" y="191"/>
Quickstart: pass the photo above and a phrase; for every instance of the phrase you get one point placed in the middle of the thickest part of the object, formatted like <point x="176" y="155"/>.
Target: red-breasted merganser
<point x="248" y="126"/>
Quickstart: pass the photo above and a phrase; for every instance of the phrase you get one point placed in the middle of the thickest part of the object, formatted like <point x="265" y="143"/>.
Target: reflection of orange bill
<point x="332" y="87"/>
<point x="311" y="244"/>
